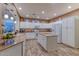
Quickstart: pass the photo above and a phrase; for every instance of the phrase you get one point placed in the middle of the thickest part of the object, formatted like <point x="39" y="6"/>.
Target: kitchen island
<point x="48" y="40"/>
<point x="15" y="49"/>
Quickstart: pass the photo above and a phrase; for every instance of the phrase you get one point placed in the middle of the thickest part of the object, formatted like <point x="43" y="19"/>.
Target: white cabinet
<point x="31" y="35"/>
<point x="45" y="26"/>
<point x="13" y="51"/>
<point x="49" y="43"/>
<point x="33" y="25"/>
<point x="70" y="31"/>
<point x="57" y="27"/>
<point x="42" y="40"/>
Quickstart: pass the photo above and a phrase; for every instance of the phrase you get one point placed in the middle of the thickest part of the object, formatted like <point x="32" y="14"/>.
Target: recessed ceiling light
<point x="20" y="8"/>
<point x="14" y="21"/>
<point x="69" y="7"/>
<point x="11" y="18"/>
<point x="6" y="16"/>
<point x="55" y="14"/>
<point x="43" y="12"/>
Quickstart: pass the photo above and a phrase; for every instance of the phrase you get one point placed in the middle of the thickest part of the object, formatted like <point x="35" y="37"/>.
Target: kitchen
<point x="24" y="33"/>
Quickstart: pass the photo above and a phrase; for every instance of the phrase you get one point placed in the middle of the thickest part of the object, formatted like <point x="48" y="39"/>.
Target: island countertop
<point x="48" y="33"/>
<point x="19" y="38"/>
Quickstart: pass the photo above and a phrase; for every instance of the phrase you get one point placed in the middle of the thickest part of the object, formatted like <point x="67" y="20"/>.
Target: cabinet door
<point x="64" y="32"/>
<point x="70" y="31"/>
<point x="13" y="51"/>
<point x="44" y="44"/>
<point x="39" y="38"/>
<point x="58" y="32"/>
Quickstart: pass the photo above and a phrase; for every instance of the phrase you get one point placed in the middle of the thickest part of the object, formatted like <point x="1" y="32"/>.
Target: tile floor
<point x="34" y="49"/>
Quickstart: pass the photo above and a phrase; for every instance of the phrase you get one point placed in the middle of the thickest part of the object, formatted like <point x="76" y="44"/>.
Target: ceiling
<point x="51" y="10"/>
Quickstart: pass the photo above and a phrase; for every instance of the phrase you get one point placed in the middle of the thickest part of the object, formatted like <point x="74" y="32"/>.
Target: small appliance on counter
<point x="22" y="30"/>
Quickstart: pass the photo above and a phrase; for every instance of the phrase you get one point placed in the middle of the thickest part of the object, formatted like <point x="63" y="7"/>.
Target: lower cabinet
<point x="16" y="50"/>
<point x="49" y="43"/>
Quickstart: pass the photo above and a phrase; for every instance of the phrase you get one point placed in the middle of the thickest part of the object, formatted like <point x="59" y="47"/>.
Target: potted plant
<point x="8" y="38"/>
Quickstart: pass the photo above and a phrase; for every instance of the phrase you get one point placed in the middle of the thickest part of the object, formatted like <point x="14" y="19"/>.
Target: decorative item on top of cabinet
<point x="21" y="19"/>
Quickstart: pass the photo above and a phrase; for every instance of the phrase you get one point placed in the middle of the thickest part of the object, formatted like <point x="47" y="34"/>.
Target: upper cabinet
<point x="33" y="25"/>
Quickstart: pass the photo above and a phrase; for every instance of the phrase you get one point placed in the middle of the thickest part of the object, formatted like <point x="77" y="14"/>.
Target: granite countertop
<point x="48" y="33"/>
<point x="19" y="38"/>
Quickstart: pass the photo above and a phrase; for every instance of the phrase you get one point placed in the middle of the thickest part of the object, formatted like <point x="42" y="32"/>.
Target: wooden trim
<point x="30" y="19"/>
<point x="63" y="14"/>
<point x="22" y="18"/>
